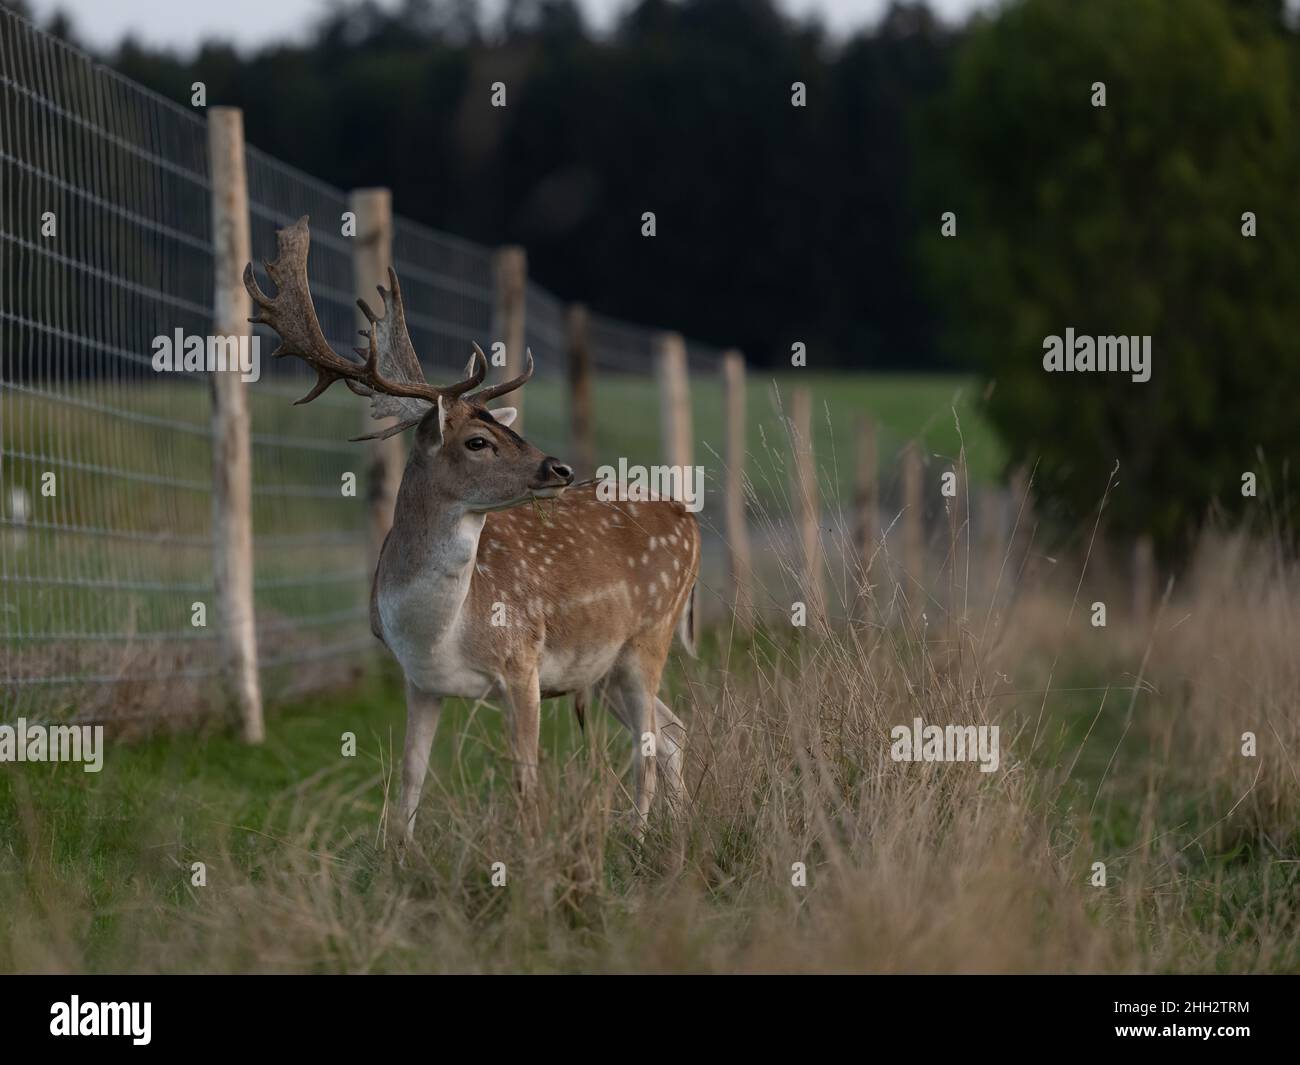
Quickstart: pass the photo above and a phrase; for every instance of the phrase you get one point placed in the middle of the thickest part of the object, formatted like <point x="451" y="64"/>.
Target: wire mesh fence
<point x="106" y="530"/>
<point x="448" y="287"/>
<point x="104" y="245"/>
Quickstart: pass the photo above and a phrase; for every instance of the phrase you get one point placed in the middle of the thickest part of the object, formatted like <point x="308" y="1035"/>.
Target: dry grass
<point x="1118" y="746"/>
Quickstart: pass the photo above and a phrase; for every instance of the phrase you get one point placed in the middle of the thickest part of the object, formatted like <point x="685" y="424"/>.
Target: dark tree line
<point x="775" y="223"/>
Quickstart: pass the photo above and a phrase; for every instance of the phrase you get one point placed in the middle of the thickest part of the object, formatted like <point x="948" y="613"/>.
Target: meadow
<point x="1120" y="745"/>
<point x="938" y="410"/>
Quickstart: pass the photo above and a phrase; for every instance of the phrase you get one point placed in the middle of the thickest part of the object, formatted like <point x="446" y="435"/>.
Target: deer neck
<point x="428" y="561"/>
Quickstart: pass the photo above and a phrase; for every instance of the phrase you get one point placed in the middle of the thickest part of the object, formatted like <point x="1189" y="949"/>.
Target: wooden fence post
<point x="735" y="528"/>
<point x="806" y="501"/>
<point x="232" y="461"/>
<point x="1144" y="581"/>
<point x="582" y="425"/>
<point x="372" y="254"/>
<point x="510" y="269"/>
<point x="674" y="400"/>
<point x="865" y="499"/>
<point x="913" y="524"/>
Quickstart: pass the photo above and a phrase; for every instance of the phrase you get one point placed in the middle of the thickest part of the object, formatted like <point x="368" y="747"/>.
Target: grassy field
<point x="904" y="407"/>
<point x="1119" y="746"/>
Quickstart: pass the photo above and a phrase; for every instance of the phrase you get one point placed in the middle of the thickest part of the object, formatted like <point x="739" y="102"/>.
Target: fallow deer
<point x="477" y="595"/>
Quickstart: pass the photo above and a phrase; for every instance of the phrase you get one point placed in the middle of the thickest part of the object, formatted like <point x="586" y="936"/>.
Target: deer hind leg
<point x="630" y="690"/>
<point x="422" y="712"/>
<point x="672" y="755"/>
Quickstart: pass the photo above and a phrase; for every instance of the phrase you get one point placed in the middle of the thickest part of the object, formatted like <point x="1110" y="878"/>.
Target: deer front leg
<point x="525" y="699"/>
<point x="422" y="711"/>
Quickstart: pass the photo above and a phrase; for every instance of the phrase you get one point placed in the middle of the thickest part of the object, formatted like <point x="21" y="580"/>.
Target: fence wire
<point x="106" y="552"/>
<point x="105" y="476"/>
<point x="447" y="285"/>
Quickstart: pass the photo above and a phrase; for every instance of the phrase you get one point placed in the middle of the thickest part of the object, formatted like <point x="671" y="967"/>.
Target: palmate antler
<point x="390" y="373"/>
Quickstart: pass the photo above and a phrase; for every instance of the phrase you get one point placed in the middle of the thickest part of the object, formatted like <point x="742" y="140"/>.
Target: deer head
<point x="463" y="453"/>
<point x="469" y="454"/>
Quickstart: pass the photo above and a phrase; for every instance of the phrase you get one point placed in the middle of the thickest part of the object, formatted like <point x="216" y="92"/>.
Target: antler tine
<point x="475" y="371"/>
<point x="390" y="344"/>
<point x="493" y="391"/>
<point x="392" y="430"/>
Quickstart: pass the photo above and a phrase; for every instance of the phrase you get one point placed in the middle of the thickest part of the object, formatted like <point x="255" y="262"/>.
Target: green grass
<point x="904" y="407"/>
<point x="202" y="781"/>
<point x="127" y="836"/>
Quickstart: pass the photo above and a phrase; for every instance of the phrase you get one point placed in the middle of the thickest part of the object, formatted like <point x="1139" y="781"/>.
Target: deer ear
<point x="432" y="426"/>
<point x="505" y="415"/>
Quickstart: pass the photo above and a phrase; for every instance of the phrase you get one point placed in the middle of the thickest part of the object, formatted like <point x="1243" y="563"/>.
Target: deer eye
<point x="476" y="443"/>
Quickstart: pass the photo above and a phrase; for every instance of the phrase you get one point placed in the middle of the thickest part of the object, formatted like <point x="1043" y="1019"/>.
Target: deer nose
<point x="554" y="469"/>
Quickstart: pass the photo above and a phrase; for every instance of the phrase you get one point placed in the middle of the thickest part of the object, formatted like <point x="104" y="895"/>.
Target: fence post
<point x="913" y="522"/>
<point x="582" y="426"/>
<point x="1144" y="580"/>
<point x="865" y="505"/>
<point x="806" y="503"/>
<point x="735" y="529"/>
<point x="674" y="400"/>
<point x="372" y="253"/>
<point x="510" y="269"/>
<point x="232" y="462"/>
